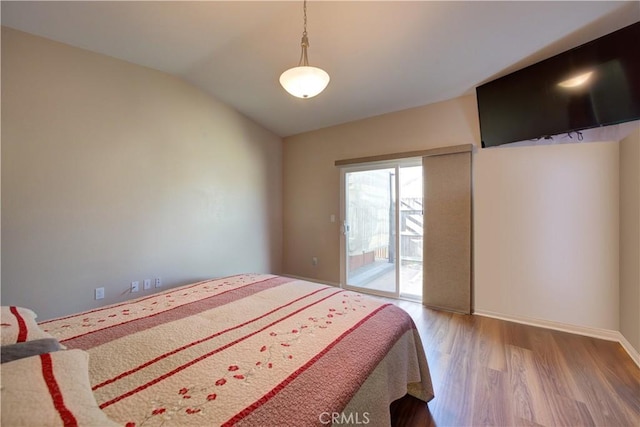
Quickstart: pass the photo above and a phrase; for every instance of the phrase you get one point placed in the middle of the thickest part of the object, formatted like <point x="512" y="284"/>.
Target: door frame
<point x="395" y="164"/>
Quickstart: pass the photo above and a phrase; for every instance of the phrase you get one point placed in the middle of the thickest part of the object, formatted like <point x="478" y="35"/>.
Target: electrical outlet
<point x="146" y="285"/>
<point x="314" y="261"/>
<point x="135" y="286"/>
<point x="99" y="293"/>
<point x="158" y="282"/>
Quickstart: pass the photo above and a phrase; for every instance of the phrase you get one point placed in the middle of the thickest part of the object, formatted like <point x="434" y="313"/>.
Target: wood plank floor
<point x="489" y="372"/>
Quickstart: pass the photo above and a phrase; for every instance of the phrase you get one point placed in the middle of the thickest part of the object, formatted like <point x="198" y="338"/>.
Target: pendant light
<point x="304" y="81"/>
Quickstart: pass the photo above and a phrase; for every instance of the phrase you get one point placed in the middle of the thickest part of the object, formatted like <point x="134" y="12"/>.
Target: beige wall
<point x="311" y="181"/>
<point x="546" y="233"/>
<point x="546" y="217"/>
<point x="630" y="238"/>
<point x="112" y="172"/>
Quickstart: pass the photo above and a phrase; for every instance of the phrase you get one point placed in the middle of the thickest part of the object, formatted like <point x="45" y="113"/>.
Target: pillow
<point x="11" y="352"/>
<point x="18" y="324"/>
<point x="51" y="389"/>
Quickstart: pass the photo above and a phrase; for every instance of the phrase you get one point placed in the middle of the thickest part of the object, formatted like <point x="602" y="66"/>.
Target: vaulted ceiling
<point x="382" y="56"/>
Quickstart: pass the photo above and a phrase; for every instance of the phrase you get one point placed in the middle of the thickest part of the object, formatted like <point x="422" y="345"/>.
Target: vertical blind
<point x="447" y="232"/>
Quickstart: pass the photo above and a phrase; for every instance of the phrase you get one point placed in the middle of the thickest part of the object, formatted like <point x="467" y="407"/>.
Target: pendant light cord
<point x="304" y="59"/>
<point x="304" y="9"/>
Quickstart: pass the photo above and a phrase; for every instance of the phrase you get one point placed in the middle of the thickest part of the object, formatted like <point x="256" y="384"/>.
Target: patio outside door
<point x="382" y="229"/>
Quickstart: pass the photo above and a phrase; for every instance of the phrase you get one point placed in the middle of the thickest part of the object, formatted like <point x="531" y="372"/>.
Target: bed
<point x="251" y="349"/>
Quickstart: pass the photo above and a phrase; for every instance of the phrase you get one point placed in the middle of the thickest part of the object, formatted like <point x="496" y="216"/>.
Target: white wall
<point x="546" y="233"/>
<point x="112" y="172"/>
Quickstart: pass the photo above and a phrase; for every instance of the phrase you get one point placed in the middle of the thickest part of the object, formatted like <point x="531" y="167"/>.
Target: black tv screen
<point x="595" y="84"/>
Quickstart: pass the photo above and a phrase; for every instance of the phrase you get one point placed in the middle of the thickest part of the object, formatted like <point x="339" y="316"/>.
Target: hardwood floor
<point x="489" y="372"/>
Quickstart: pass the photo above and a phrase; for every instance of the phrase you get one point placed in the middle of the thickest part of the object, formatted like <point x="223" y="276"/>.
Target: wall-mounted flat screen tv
<point x="595" y="84"/>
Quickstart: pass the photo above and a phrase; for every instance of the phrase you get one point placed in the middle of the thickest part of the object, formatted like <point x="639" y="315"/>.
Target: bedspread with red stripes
<point x="236" y="350"/>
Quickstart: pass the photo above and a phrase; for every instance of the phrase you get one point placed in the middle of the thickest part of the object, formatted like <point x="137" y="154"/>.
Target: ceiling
<point x="382" y="56"/>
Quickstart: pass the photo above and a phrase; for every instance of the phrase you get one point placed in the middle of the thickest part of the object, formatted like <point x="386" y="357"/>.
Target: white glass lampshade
<point x="304" y="81"/>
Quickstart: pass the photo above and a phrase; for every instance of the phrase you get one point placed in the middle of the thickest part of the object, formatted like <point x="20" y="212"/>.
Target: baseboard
<point x="635" y="355"/>
<point x="605" y="334"/>
<point x="308" y="279"/>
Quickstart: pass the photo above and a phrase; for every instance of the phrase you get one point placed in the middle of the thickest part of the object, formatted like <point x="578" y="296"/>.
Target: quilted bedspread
<point x="250" y="349"/>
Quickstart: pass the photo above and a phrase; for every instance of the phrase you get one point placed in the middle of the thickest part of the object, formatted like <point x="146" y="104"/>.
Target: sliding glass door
<point x="382" y="229"/>
<point x="410" y="224"/>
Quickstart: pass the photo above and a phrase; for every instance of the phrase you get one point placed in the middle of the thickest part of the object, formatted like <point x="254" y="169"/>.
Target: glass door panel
<point x="382" y="209"/>
<point x="411" y="231"/>
<point x="370" y="230"/>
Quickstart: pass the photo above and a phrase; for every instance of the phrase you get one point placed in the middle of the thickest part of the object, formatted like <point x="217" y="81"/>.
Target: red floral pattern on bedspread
<point x="73" y="326"/>
<point x="232" y="356"/>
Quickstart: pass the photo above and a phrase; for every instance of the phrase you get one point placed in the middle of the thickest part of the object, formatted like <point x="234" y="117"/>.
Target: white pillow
<point x="18" y="324"/>
<point x="50" y="389"/>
